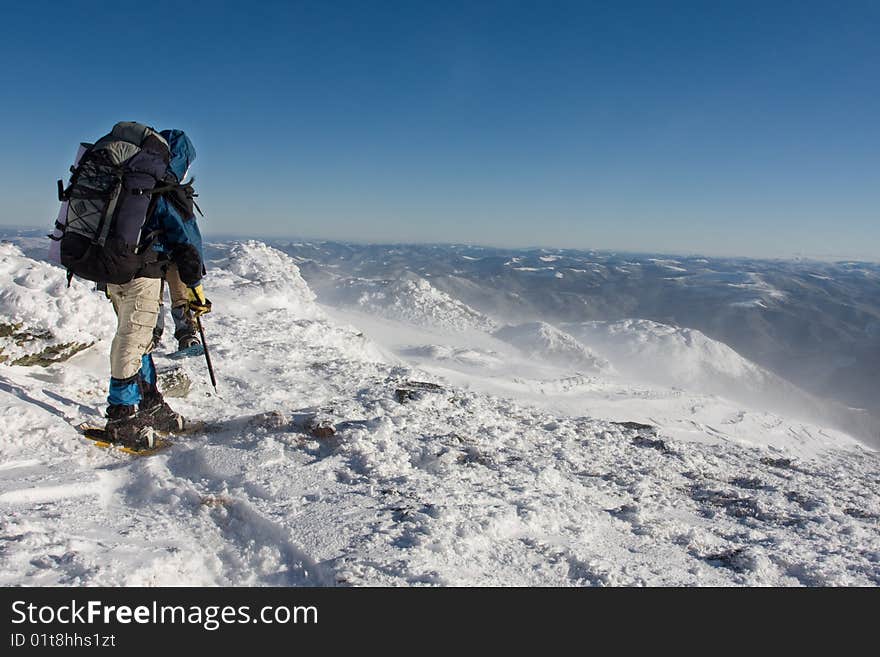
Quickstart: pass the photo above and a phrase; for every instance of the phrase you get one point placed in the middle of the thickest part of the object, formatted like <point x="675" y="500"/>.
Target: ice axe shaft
<point x="207" y="355"/>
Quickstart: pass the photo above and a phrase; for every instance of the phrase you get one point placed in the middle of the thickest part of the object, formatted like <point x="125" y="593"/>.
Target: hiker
<point x="130" y="218"/>
<point x="135" y="405"/>
<point x="185" y="331"/>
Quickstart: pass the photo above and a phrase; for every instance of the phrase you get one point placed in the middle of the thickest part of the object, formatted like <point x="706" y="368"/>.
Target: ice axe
<point x="207" y="355"/>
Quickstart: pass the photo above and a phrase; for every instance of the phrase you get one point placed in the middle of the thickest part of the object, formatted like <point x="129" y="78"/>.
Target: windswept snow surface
<point x="685" y="358"/>
<point x="36" y="304"/>
<point x="410" y="299"/>
<point x="418" y="486"/>
<point x="542" y="341"/>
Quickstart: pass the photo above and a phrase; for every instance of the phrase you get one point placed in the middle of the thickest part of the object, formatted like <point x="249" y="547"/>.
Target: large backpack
<point x="112" y="193"/>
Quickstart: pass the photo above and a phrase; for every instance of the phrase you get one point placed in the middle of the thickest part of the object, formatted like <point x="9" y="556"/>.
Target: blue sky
<point x="716" y="127"/>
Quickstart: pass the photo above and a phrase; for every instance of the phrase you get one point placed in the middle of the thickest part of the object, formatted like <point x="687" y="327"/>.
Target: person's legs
<point x="160" y="318"/>
<point x="184" y="325"/>
<point x="137" y="305"/>
<point x="153" y="409"/>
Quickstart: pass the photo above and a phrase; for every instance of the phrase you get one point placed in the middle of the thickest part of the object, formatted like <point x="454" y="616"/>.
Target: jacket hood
<point x="182" y="152"/>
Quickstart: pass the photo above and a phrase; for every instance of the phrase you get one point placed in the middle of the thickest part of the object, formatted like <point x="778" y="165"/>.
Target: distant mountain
<point x="544" y="342"/>
<point x="812" y="323"/>
<point x="410" y="299"/>
<point x="672" y="356"/>
<point x="650" y="352"/>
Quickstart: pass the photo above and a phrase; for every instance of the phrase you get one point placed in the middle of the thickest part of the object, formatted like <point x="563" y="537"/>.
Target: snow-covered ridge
<point x="766" y="293"/>
<point x="413" y="299"/>
<point x="647" y="351"/>
<point x="667" y="355"/>
<point x="542" y="341"/>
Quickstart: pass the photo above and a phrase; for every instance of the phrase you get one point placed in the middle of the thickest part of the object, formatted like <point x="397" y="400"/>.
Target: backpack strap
<point x="180" y="195"/>
<point x="61" y="228"/>
<point x="155" y="190"/>
<point x="147" y="240"/>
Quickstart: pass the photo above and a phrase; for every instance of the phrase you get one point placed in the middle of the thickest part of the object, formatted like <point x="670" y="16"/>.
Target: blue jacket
<point x="178" y="240"/>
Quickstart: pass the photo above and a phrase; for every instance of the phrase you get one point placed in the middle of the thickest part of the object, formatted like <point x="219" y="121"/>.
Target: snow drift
<point x="41" y="319"/>
<point x="252" y="275"/>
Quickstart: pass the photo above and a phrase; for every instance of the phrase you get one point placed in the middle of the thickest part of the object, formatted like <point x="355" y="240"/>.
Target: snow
<point x="512" y="473"/>
<point x="35" y="300"/>
<point x="664" y="354"/>
<point x="755" y="283"/>
<point x="540" y="340"/>
<point x="415" y="300"/>
<point x="750" y="303"/>
<point x="262" y="278"/>
<point x="671" y="265"/>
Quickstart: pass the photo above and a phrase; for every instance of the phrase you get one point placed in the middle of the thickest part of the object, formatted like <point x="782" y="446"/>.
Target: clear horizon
<point x="228" y="236"/>
<point x="741" y="129"/>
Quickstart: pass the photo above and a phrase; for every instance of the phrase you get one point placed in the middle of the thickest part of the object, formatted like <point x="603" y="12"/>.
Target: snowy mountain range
<point x="444" y="416"/>
<point x="815" y="324"/>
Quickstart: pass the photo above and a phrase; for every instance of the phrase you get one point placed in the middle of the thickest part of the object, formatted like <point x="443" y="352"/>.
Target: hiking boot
<point x="187" y="341"/>
<point x="160" y="416"/>
<point x="126" y="427"/>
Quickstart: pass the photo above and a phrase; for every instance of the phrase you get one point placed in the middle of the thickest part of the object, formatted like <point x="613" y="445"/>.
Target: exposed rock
<point x="214" y="501"/>
<point x="13" y="334"/>
<point x="733" y="504"/>
<point x="637" y="426"/>
<point x="750" y="483"/>
<point x="786" y="464"/>
<point x="738" y="559"/>
<point x="641" y="441"/>
<point x="43" y="321"/>
<point x="8" y="330"/>
<point x="859" y="513"/>
<point x="322" y="430"/>
<point x="269" y="420"/>
<point x="317" y="424"/>
<point x="414" y="390"/>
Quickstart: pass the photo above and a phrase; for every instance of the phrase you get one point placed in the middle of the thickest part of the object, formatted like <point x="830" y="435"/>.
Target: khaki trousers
<point x="137" y="305"/>
<point x="176" y="287"/>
